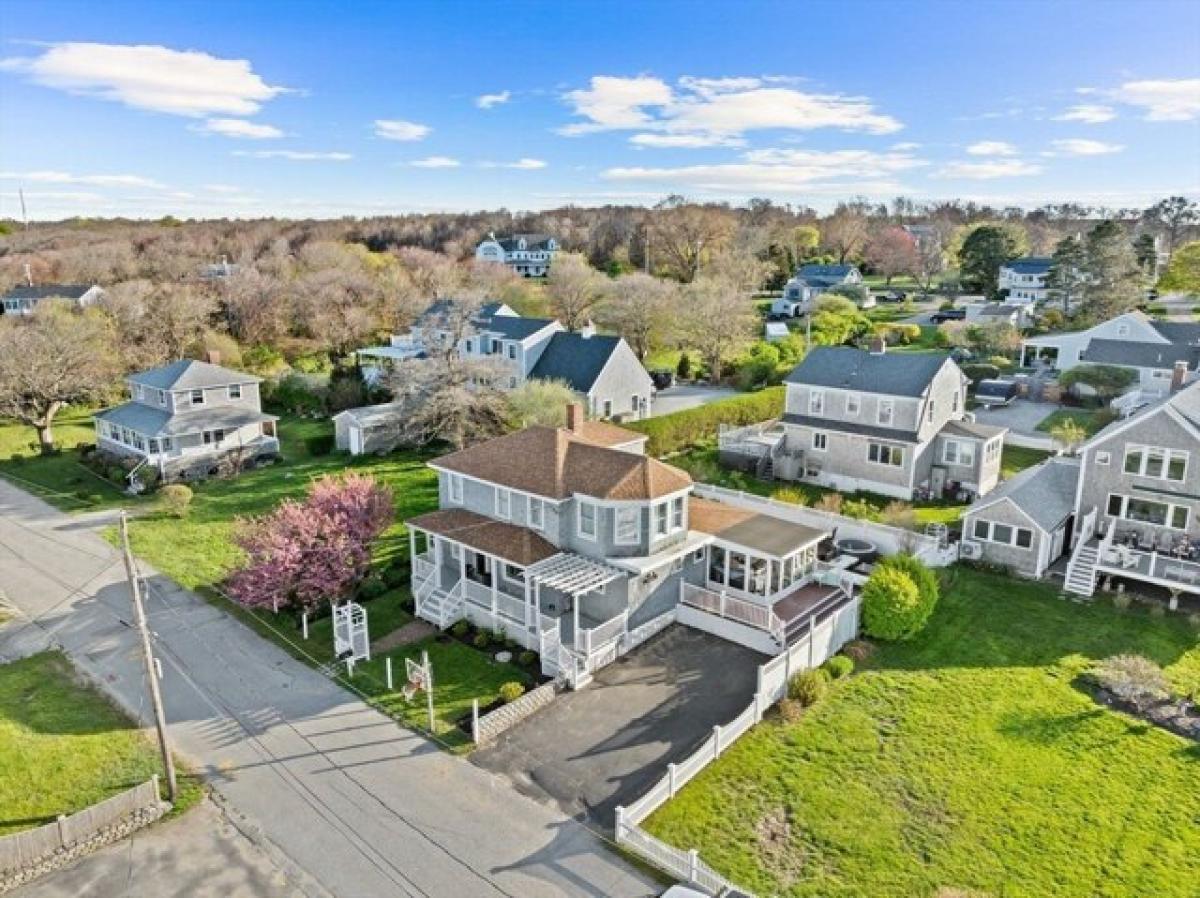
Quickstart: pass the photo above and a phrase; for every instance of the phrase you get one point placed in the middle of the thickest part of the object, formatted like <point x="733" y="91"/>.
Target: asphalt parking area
<point x="604" y="745"/>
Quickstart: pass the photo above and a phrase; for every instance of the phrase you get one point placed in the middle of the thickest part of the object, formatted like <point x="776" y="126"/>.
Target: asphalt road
<point x="343" y="800"/>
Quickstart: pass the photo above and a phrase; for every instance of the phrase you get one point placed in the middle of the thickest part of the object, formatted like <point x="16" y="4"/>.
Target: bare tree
<point x="254" y="307"/>
<point x="717" y="322"/>
<point x="574" y="287"/>
<point x="892" y="251"/>
<point x="434" y="275"/>
<point x="844" y="232"/>
<point x="53" y="358"/>
<point x="682" y="234"/>
<point x="640" y="308"/>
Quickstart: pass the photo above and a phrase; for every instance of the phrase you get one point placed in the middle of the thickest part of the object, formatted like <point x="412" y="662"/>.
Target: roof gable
<point x="847" y="368"/>
<point x="189" y="374"/>
<point x="576" y="359"/>
<point x="49" y="291"/>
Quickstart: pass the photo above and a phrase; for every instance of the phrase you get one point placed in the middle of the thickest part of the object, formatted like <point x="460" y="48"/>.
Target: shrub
<point x="858" y="650"/>
<point x="1000" y="361"/>
<point x="319" y="445"/>
<point x="396" y="575"/>
<point x="891" y="604"/>
<point x="293" y="394"/>
<point x="511" y="691"/>
<point x="977" y="372"/>
<point x="264" y="360"/>
<point x="684" y="369"/>
<point x="682" y="430"/>
<point x="839" y="666"/>
<point x="313" y="363"/>
<point x="460" y="628"/>
<point x="373" y="587"/>
<point x="861" y="509"/>
<point x="790" y="710"/>
<point x="1194" y="619"/>
<point x="480" y="641"/>
<point x="830" y="502"/>
<point x="808" y="687"/>
<point x="175" y="499"/>
<point x="790" y="494"/>
<point x="497" y="637"/>
<point x="1132" y="678"/>
<point x="116" y="474"/>
<point x="527" y="658"/>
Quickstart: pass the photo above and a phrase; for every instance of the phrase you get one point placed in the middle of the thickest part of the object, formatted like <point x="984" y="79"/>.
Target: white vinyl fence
<point x="820" y="643"/>
<point x="23" y="849"/>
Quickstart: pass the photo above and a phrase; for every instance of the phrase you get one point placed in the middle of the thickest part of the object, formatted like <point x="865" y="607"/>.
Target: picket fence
<point x="25" y="848"/>
<point x="816" y="646"/>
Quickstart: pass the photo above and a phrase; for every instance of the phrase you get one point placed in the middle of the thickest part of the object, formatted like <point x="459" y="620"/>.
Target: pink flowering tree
<point x="314" y="551"/>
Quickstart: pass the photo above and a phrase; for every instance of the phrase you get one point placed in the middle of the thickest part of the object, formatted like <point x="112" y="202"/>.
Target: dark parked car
<point x="662" y="378"/>
<point x="948" y="315"/>
<point x="891" y="296"/>
<point x="996" y="392"/>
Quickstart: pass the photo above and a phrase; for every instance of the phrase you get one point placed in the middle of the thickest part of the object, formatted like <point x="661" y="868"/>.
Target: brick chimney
<point x="878" y="345"/>
<point x="1179" y="375"/>
<point x="212" y="356"/>
<point x="574" y="416"/>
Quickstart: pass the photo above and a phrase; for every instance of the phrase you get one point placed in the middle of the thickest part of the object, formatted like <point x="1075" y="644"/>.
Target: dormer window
<point x="816" y="402"/>
<point x="886" y="409"/>
<point x="853" y="404"/>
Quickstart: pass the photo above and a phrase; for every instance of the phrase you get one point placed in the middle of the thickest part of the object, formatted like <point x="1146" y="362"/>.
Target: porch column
<point x="530" y="618"/>
<point x="412" y="545"/>
<point x="575" y="614"/>
<point x="494" y="567"/>
<point x="462" y="562"/>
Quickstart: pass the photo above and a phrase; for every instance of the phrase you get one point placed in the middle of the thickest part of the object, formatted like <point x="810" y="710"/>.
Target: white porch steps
<point x="1081" y="571"/>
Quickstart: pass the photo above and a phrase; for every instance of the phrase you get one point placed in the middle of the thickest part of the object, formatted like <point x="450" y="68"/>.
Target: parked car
<point x="662" y="378"/>
<point x="891" y="296"/>
<point x="996" y="392"/>
<point x="948" y="315"/>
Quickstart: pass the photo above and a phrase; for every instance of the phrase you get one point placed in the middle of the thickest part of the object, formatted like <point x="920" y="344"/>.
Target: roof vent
<point x="588" y="330"/>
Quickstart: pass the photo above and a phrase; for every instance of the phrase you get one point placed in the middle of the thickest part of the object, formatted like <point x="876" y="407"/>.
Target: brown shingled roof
<point x="515" y="544"/>
<point x="601" y="433"/>
<point x="557" y="463"/>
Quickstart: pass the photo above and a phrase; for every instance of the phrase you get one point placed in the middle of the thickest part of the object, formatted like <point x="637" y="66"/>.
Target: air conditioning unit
<point x="970" y="550"/>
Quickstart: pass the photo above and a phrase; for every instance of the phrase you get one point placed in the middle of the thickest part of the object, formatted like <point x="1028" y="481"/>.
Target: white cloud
<point x="984" y="171"/>
<point x="702" y="112"/>
<point x="236" y="127"/>
<point x="783" y="170"/>
<point x="525" y="163"/>
<point x="436" y="162"/>
<point x="992" y="148"/>
<point x="1078" y="146"/>
<point x="225" y="189"/>
<point x="1088" y="113"/>
<point x="1162" y="100"/>
<point x="157" y="78"/>
<point x="906" y="146"/>
<point x="397" y="129"/>
<point x="685" y="141"/>
<point x="295" y="155"/>
<point x="60" y="177"/>
<point x="487" y="101"/>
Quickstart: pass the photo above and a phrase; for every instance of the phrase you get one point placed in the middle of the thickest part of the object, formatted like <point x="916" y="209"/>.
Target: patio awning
<point x="573" y="574"/>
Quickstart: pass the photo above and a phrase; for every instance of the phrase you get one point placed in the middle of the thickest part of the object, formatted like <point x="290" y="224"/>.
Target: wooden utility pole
<point x="160" y="720"/>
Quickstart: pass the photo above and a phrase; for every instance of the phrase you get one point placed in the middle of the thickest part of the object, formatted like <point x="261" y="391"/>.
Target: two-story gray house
<point x="577" y="545"/>
<point x="190" y="419"/>
<point x="603" y="370"/>
<point x="809" y="282"/>
<point x="888" y="423"/>
<point x="529" y="255"/>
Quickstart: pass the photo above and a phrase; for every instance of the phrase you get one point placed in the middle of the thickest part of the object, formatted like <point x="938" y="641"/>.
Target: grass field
<point x="965" y="759"/>
<point x="1091" y="420"/>
<point x="59" y="479"/>
<point x="64" y="747"/>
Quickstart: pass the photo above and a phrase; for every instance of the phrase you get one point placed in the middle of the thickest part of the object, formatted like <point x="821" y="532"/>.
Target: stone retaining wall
<point x="491" y="725"/>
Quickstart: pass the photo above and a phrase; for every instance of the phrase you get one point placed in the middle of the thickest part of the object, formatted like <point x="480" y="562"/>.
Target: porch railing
<point x="762" y="617"/>
<point x="590" y="640"/>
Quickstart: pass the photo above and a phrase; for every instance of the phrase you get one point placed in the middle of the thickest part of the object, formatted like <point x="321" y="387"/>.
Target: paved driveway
<point x="606" y="744"/>
<point x="1022" y="416"/>
<point x="685" y="396"/>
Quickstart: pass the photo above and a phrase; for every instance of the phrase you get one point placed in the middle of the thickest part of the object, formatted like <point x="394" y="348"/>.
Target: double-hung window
<point x="197" y="397"/>
<point x="234" y="391"/>
<point x="537" y="513"/>
<point x="588" y="513"/>
<point x="454" y="483"/>
<point x="677" y="514"/>
<point x="957" y="452"/>
<point x="820" y="440"/>
<point x="629" y="524"/>
<point x="886" y="410"/>
<point x="1004" y="534"/>
<point x="661" y="519"/>
<point x="503" y="503"/>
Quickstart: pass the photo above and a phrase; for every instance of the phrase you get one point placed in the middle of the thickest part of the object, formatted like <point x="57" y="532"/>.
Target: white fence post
<point x="693" y="865"/>
<point x="388" y="668"/>
<point x="716" y="741"/>
<point x="671" y="779"/>
<point x="475" y="720"/>
<point x="304" y="624"/>
<point x="758" y="711"/>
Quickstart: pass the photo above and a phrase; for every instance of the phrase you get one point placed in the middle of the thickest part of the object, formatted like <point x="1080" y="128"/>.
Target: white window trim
<point x="991" y="538"/>
<point x="891" y="450"/>
<point x="853" y="404"/>
<point x="192" y="397"/>
<point x="454" y="488"/>
<point x="891" y="412"/>
<point x="1104" y="458"/>
<point x="816" y="402"/>
<point x="506" y="513"/>
<point x="532" y="503"/>
<point x="958" y="455"/>
<point x="1170" y="506"/>
<point x="229" y="391"/>
<point x="583" y="534"/>
<point x="630" y="539"/>
<point x="824" y="447"/>
<point x="1168" y="456"/>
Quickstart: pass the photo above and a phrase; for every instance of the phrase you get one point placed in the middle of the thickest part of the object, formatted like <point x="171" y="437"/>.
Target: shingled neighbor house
<point x="888" y="423"/>
<point x="602" y="370"/>
<point x="809" y="282"/>
<point x="190" y="420"/>
<point x="529" y="255"/>
<point x="24" y="300"/>
<point x="1127" y="508"/>
<point x="578" y="546"/>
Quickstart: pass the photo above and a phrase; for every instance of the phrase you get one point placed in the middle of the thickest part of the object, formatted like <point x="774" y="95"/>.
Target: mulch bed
<point x="1178" y="716"/>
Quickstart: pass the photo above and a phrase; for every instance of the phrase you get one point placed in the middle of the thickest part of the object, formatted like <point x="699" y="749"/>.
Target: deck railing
<point x="761" y="617"/>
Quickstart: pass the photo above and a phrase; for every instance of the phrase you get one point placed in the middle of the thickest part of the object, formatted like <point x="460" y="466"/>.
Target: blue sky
<point x="316" y="109"/>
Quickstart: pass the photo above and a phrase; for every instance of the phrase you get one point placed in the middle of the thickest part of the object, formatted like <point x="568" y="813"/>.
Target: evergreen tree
<point x="1114" y="281"/>
<point x="983" y="252"/>
<point x="1145" y="248"/>
<point x="1066" y="276"/>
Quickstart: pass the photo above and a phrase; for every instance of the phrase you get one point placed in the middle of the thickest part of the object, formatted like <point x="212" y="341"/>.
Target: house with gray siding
<point x="577" y="545"/>
<point x="1137" y="504"/>
<point x="24" y="300"/>
<point x="190" y="419"/>
<point x="602" y="370"/>
<point x="809" y="282"/>
<point x="884" y="422"/>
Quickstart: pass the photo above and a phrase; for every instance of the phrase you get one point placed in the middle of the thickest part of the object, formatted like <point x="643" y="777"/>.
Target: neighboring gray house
<point x="1154" y="349"/>
<point x="23" y="300"/>
<point x="809" y="282"/>
<point x="529" y="255"/>
<point x="602" y="370"/>
<point x="893" y="423"/>
<point x="578" y="546"/>
<point x="1137" y="506"/>
<point x="189" y="420"/>
<point x="1025" y="523"/>
<point x="1025" y="280"/>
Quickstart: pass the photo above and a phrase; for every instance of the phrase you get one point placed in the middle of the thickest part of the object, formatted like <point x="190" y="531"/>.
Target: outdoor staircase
<point x="441" y="607"/>
<point x="765" y="470"/>
<point x="1081" y="571"/>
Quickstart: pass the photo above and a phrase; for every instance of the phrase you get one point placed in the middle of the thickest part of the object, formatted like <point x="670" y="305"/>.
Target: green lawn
<point x="59" y="479"/>
<point x="965" y="759"/>
<point x="1016" y="459"/>
<point x="64" y="747"/>
<point x="1090" y="419"/>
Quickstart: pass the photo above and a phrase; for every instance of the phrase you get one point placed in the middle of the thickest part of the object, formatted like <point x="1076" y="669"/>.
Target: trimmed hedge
<point x="683" y="430"/>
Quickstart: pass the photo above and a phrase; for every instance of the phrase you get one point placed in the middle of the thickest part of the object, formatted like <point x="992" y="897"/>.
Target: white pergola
<point x="573" y="574"/>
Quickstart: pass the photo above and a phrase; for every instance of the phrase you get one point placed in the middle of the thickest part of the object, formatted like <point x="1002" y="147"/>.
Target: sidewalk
<point x="346" y="801"/>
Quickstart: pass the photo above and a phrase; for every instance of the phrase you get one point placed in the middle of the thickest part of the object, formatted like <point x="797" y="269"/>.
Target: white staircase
<point x="1081" y="570"/>
<point x="440" y="607"/>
